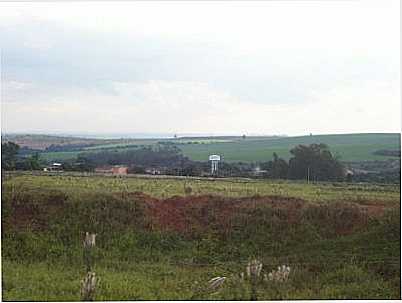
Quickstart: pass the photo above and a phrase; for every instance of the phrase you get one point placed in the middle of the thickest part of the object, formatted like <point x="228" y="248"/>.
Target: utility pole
<point x="308" y="174"/>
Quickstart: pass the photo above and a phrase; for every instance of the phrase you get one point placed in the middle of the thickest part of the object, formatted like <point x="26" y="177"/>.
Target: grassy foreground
<point x="154" y="243"/>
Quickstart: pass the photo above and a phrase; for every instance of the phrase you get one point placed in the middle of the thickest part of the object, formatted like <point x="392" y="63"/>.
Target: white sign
<point x="214" y="158"/>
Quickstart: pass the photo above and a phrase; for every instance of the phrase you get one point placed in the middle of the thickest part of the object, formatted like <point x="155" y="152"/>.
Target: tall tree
<point x="314" y="162"/>
<point x="9" y="153"/>
<point x="277" y="168"/>
<point x="33" y="162"/>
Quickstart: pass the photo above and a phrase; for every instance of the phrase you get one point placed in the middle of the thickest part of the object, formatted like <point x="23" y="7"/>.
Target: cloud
<point x="260" y="67"/>
<point x="170" y="107"/>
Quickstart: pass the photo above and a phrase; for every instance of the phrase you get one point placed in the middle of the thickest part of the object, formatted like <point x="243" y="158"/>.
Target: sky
<point x="255" y="68"/>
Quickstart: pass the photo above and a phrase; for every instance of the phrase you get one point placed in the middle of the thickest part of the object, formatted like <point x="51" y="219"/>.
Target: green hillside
<point x="350" y="147"/>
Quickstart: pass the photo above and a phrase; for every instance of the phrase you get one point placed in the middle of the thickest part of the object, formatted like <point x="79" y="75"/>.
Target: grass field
<point x="166" y="187"/>
<point x="352" y="147"/>
<point x="154" y="242"/>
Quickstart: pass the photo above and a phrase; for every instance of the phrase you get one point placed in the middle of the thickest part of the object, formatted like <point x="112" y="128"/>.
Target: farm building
<point x="54" y="167"/>
<point x="257" y="171"/>
<point x="114" y="170"/>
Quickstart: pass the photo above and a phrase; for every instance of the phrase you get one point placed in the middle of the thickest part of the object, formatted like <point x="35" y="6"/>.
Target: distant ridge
<point x="107" y="136"/>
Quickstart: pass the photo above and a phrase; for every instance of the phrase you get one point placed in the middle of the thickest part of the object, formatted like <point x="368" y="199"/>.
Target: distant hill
<point x="349" y="147"/>
<point x="41" y="142"/>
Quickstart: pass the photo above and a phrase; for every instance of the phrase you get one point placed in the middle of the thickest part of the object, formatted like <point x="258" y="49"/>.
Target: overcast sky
<point x="275" y="67"/>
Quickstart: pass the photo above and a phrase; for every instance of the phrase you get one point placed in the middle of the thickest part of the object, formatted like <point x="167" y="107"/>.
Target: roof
<point x="111" y="166"/>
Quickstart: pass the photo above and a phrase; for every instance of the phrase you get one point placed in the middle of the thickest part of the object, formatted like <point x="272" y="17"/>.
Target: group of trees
<point x="9" y="152"/>
<point x="10" y="159"/>
<point x="168" y="156"/>
<point x="81" y="163"/>
<point x="66" y="147"/>
<point x="312" y="162"/>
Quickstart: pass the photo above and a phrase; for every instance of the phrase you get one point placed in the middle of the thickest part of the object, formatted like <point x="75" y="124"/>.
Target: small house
<point x="54" y="167"/>
<point x="257" y="171"/>
<point x="153" y="171"/>
<point x="119" y="170"/>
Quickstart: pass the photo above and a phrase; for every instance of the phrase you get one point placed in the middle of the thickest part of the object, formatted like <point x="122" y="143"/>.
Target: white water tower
<point x="214" y="163"/>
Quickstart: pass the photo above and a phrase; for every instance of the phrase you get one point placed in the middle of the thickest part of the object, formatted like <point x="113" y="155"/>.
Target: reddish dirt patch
<point x="374" y="209"/>
<point x="191" y="213"/>
<point x="187" y="214"/>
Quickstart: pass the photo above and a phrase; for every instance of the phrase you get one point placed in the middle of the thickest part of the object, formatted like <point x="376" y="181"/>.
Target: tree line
<point x="311" y="162"/>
